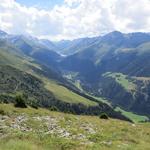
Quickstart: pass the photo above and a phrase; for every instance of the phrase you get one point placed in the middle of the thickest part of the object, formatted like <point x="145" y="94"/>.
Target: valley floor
<point x="40" y="129"/>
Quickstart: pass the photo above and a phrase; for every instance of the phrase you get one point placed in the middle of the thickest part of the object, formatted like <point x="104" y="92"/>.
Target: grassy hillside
<point x="134" y="117"/>
<point x="31" y="129"/>
<point x="48" y="94"/>
<point x="8" y="57"/>
<point x="126" y="83"/>
<point x="32" y="86"/>
<point x="26" y="64"/>
<point x="129" y="92"/>
<point x="121" y="79"/>
<point x="67" y="95"/>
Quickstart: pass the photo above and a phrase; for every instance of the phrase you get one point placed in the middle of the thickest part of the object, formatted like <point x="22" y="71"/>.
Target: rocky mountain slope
<point x="116" y="53"/>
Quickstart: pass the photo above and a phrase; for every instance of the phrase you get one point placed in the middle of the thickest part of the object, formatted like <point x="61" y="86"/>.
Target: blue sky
<point x="41" y="4"/>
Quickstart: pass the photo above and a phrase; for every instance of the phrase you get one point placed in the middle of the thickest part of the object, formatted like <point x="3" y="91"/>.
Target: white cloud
<point x="76" y="18"/>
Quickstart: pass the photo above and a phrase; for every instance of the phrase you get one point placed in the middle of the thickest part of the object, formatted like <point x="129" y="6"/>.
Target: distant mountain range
<point x="115" y="66"/>
<point x="115" y="53"/>
<point x="30" y="67"/>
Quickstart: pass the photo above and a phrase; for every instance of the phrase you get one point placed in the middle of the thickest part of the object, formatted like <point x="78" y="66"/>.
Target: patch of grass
<point x="121" y="79"/>
<point x="78" y="85"/>
<point x="22" y="63"/>
<point x="8" y="109"/>
<point x="16" y="144"/>
<point x="71" y="75"/>
<point x="67" y="95"/>
<point x="101" y="99"/>
<point x="34" y="141"/>
<point x="134" y="117"/>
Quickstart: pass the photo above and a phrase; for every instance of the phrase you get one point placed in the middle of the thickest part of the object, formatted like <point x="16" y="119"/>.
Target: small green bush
<point x="2" y="112"/>
<point x="103" y="116"/>
<point x="53" y="108"/>
<point x="20" y="101"/>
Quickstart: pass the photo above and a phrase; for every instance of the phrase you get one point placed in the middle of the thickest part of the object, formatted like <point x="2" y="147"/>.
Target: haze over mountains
<point x="74" y="75"/>
<point x="115" y="67"/>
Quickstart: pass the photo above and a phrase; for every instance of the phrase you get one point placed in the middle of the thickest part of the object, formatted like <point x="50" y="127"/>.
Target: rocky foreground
<point x="41" y="129"/>
<point x="46" y="125"/>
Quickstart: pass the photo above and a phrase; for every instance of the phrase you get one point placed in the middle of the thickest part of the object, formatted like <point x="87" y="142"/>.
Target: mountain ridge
<point x="123" y="55"/>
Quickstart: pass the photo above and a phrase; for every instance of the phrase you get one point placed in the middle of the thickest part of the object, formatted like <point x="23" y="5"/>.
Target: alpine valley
<point x="58" y="94"/>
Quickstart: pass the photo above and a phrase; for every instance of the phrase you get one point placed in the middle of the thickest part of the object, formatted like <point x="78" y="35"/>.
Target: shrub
<point x="53" y="108"/>
<point x="20" y="101"/>
<point x="2" y="112"/>
<point x="103" y="116"/>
